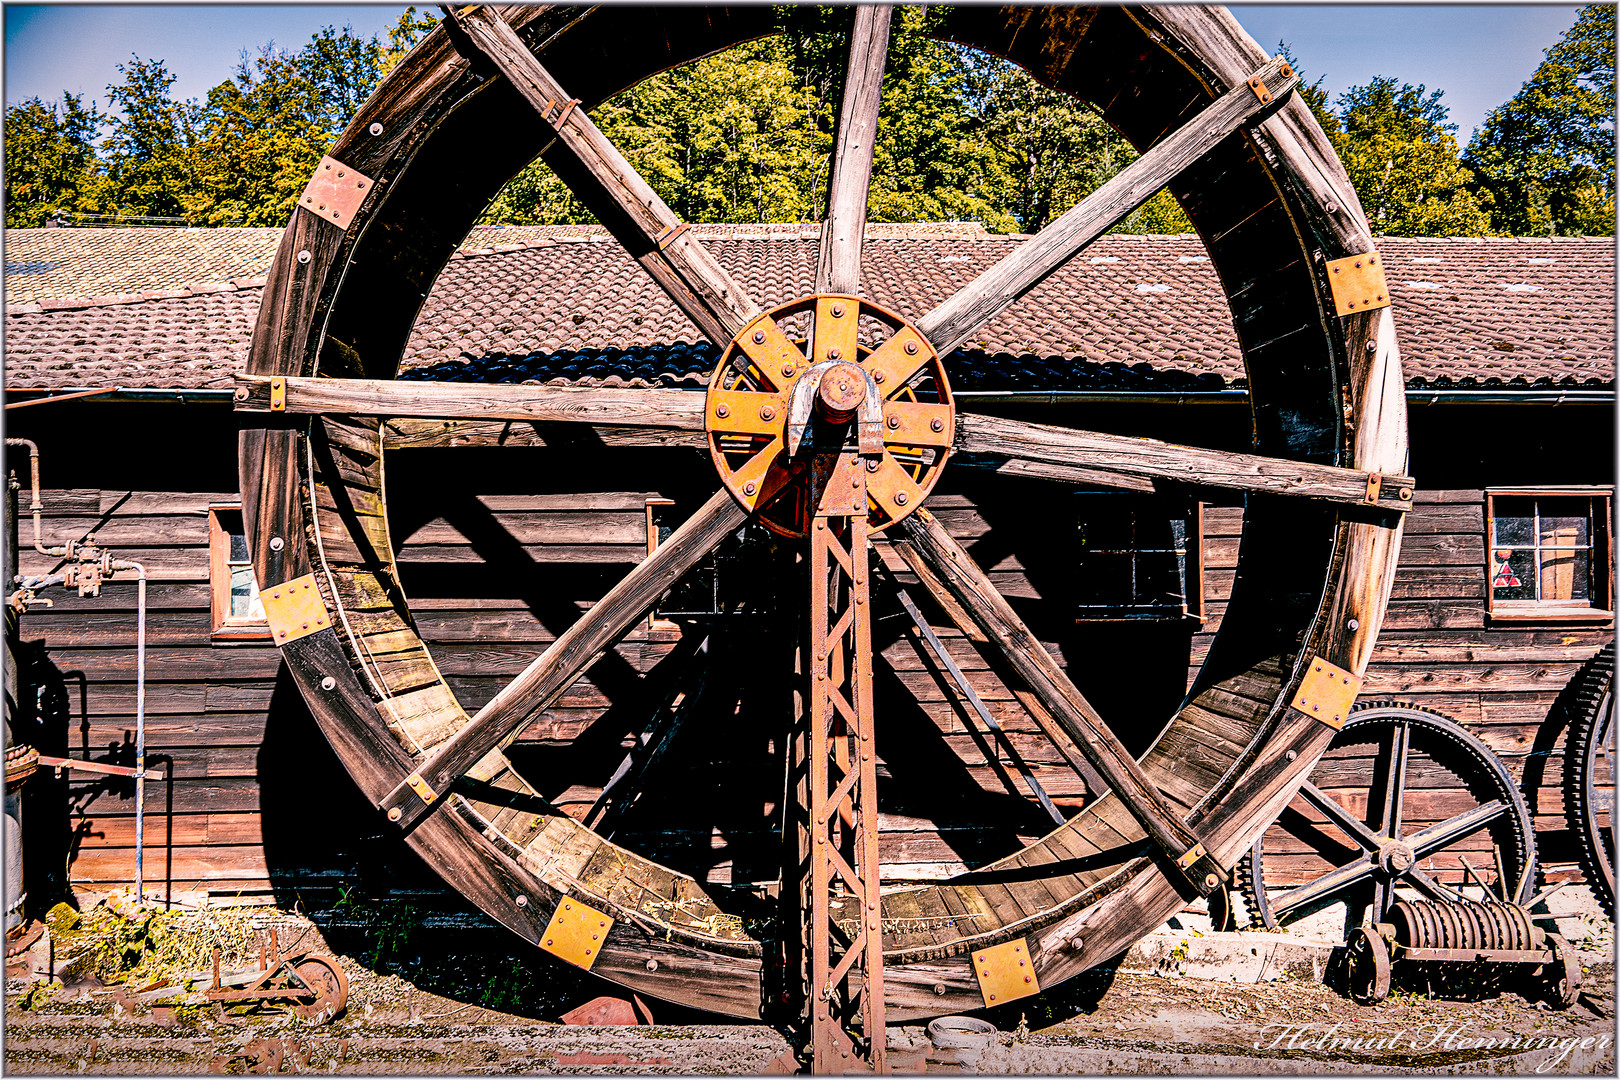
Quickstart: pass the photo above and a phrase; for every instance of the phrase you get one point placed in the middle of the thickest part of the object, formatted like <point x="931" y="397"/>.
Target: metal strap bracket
<point x="567" y="107"/>
<point x="420" y="786"/>
<point x="671" y="234"/>
<point x="1005" y="972"/>
<point x="278" y="393"/>
<point x="335" y="192"/>
<point x="1326" y="693"/>
<point x="294" y="609"/>
<point x="576" y="933"/>
<point x="1374" y="482"/>
<point x="1258" y="85"/>
<point x="1358" y="283"/>
<point x="1190" y="856"/>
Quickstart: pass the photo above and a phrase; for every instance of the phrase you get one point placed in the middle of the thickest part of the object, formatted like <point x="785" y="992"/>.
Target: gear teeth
<point x="1594" y="690"/>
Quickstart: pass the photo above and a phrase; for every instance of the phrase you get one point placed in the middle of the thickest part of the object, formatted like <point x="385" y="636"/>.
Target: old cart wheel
<point x="1437" y="799"/>
<point x="1589" y="774"/>
<point x="322" y="975"/>
<point x="1324" y="491"/>
<point x="1368" y="966"/>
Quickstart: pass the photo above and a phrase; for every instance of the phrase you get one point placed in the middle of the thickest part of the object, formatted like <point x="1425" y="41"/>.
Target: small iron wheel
<point x="1589" y="774"/>
<point x="1368" y="966"/>
<point x="1563" y="975"/>
<point x="322" y="975"/>
<point x="1404" y="800"/>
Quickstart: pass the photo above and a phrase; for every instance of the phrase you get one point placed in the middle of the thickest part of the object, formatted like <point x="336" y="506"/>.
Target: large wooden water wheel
<point x="824" y="433"/>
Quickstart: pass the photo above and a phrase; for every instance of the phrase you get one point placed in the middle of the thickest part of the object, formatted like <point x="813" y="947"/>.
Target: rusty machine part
<point x="820" y="438"/>
<point x="778" y="403"/>
<point x="1462" y="933"/>
<point x="1589" y="774"/>
<point x="1411" y="797"/>
<point x="311" y="984"/>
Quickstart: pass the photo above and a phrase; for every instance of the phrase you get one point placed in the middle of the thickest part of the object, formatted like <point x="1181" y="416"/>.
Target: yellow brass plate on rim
<point x="1358" y="283"/>
<point x="1191" y="855"/>
<point x="294" y="609"/>
<point x="576" y="933"/>
<point x="1005" y="972"/>
<point x="1327" y="693"/>
<point x="335" y="192"/>
<point x="420" y="786"/>
<point x="278" y="394"/>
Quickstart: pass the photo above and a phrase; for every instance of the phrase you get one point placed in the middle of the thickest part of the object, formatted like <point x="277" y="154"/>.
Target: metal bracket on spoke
<point x="278" y="393"/>
<point x="420" y="786"/>
<point x="1374" y="482"/>
<point x="1190" y="856"/>
<point x="567" y="107"/>
<point x="1326" y="693"/>
<point x="670" y="235"/>
<point x="1358" y="283"/>
<point x="1005" y="972"/>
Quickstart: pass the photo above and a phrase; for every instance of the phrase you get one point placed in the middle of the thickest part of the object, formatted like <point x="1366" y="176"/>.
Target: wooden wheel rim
<point x="1313" y="579"/>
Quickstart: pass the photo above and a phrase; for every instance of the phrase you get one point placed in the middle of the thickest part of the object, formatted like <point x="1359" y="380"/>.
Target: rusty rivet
<point x="759" y="337"/>
<point x="340" y="174"/>
<point x="911" y="348"/>
<point x="375" y="129"/>
<point x="1028" y="979"/>
<point x="568" y="907"/>
<point x="652" y="965"/>
<point x="304" y="256"/>
<point x="878" y="377"/>
<point x="937" y="424"/>
<point x="241" y="393"/>
<point x="838" y="311"/>
<point x="1358" y="266"/>
<point x="788" y="369"/>
<point x="992" y="996"/>
<point x="548" y="941"/>
<point x="767" y="413"/>
<point x="722" y="410"/>
<point x="1291" y="755"/>
<point x="395" y="815"/>
<point x="872" y="465"/>
<point x="901" y="498"/>
<point x="834" y="354"/>
<point x="1353" y="624"/>
<point x="894" y="421"/>
<point x="521" y="900"/>
<point x="1287" y="71"/>
<point x="939" y="989"/>
<point x="1210" y="881"/>
<point x="277" y="543"/>
<point x="329" y="683"/>
<point x="1336" y="269"/>
<point x="1372" y="346"/>
<point x="1406" y="493"/>
<point x="749" y="488"/>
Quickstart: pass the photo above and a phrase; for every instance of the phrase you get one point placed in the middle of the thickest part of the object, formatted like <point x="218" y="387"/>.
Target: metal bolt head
<point x="375" y="129"/>
<point x="766" y="412"/>
<point x="788" y="370"/>
<point x="521" y="900"/>
<point x="1406" y="494"/>
<point x="835" y="354"/>
<point x="1210" y="881"/>
<point x="893" y="422"/>
<point x="1291" y="755"/>
<point x="277" y="543"/>
<point x="937" y="424"/>
<point x="394" y="814"/>
<point x="722" y="410"/>
<point x="304" y="256"/>
<point x="652" y="965"/>
<point x="878" y="377"/>
<point x="759" y="337"/>
<point x="1372" y="346"/>
<point x="750" y="487"/>
<point x="872" y="465"/>
<point x="911" y="348"/>
<point x="838" y="311"/>
<point x="901" y="498"/>
<point x="1353" y="624"/>
<point x="329" y="683"/>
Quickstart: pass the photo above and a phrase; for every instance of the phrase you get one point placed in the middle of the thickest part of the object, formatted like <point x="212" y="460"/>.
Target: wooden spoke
<point x="543" y="681"/>
<point x="680" y="409"/>
<point x="972" y="590"/>
<point x="838" y="268"/>
<point x="1137" y="459"/>
<point x="952" y="322"/>
<point x="612" y="190"/>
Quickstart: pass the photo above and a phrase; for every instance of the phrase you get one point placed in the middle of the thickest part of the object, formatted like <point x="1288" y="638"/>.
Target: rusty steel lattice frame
<point x="840" y="807"/>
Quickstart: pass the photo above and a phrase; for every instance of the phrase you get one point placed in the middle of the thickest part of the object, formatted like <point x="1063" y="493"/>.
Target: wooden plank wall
<point x="1438" y="650"/>
<point x="494" y="577"/>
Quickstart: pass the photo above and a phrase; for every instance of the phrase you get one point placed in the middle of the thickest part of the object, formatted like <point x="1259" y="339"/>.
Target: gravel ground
<point x="1101" y="1022"/>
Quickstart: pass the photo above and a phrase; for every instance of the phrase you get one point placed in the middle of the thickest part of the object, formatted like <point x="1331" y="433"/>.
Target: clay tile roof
<point x="565" y="304"/>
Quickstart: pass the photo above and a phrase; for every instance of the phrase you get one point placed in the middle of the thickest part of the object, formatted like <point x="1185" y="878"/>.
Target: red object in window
<point x="1504" y="577"/>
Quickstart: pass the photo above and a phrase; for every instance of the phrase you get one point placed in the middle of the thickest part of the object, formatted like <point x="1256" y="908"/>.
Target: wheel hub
<point x="811" y="391"/>
<point x="1396" y="858"/>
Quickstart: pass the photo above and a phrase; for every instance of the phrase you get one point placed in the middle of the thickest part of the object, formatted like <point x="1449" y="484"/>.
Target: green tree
<point x="1546" y="157"/>
<point x="150" y="152"/>
<point x="51" y="161"/>
<point x="1403" y="161"/>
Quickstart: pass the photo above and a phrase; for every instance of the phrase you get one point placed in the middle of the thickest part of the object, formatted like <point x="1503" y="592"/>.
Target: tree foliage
<point x="1398" y="148"/>
<point x="1546" y="157"/>
<point x="50" y="159"/>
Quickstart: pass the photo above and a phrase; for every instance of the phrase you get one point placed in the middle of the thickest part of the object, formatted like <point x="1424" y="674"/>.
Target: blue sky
<point x="1478" y="54"/>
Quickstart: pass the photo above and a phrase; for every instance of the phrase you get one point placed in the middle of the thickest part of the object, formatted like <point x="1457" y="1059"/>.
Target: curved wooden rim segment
<point x="1273" y="207"/>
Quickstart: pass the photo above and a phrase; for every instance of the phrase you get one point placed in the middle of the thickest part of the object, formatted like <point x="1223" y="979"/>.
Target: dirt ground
<point x="1113" y="1021"/>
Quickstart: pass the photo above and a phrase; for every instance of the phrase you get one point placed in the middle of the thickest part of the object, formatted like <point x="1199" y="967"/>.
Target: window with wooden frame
<point x="718" y="585"/>
<point x="237" y="614"/>
<point x="1138" y="556"/>
<point x="1551" y="554"/>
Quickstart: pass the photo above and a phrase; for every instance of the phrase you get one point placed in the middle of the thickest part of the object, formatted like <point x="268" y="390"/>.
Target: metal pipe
<point x="140" y="723"/>
<point x="35" y="507"/>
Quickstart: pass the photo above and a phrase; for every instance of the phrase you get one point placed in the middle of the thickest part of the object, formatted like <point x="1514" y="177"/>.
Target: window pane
<point x="1563" y="530"/>
<point x="1514" y="531"/>
<point x="245" y="595"/>
<point x="1564" y="575"/>
<point x="239" y="548"/>
<point x="1103" y="580"/>
<point x="1513" y="575"/>
<point x="1106" y="524"/>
